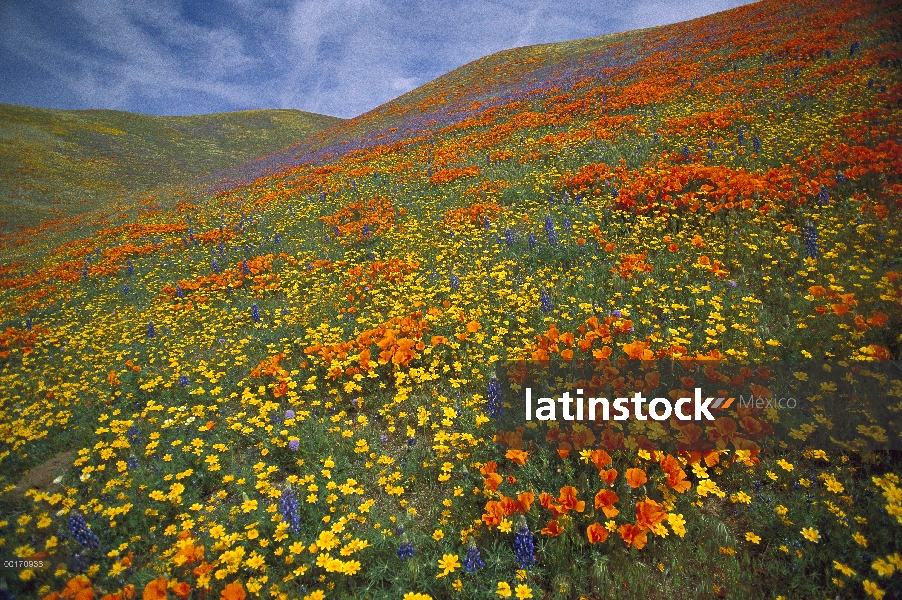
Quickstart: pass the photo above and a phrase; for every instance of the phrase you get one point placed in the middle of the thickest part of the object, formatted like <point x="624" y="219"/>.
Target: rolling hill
<point x="304" y="376"/>
<point x="56" y="163"/>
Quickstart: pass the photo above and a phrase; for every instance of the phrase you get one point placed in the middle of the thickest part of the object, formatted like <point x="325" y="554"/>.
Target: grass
<point x="276" y="381"/>
<point x="58" y="163"/>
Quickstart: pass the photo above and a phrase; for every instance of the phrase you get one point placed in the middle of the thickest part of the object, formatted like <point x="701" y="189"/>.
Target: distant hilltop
<point x="59" y="163"/>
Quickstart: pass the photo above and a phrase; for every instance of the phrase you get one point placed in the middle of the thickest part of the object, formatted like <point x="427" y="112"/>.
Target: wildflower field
<point x="296" y="378"/>
<point x="59" y="164"/>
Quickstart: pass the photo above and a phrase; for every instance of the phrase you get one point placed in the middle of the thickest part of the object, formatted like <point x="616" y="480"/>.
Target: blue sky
<point x="337" y="57"/>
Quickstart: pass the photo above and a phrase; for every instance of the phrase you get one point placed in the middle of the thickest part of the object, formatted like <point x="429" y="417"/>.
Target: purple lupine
<point x="545" y="301"/>
<point x="524" y="545"/>
<point x="809" y="234"/>
<point x="255" y="314"/>
<point x="550" y="231"/>
<point x="79" y="529"/>
<point x="473" y="560"/>
<point x="823" y="196"/>
<point x="288" y="508"/>
<point x="496" y="403"/>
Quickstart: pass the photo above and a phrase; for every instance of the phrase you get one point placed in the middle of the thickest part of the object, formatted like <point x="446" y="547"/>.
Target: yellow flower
<point x="860" y="539"/>
<point x="811" y="534"/>
<point x="523" y="591"/>
<point x="845" y="569"/>
<point x="416" y="596"/>
<point x="676" y="521"/>
<point x="883" y="568"/>
<point x="781" y="510"/>
<point x="835" y="486"/>
<point x="505" y="526"/>
<point x="751" y="537"/>
<point x="504" y="589"/>
<point x="448" y="563"/>
<point x="872" y="589"/>
<point x="438" y="534"/>
<point x="786" y="466"/>
<point x="458" y="585"/>
<point x="741" y="497"/>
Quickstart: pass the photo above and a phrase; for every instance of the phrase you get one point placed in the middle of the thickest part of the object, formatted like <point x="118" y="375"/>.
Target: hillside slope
<point x="56" y="163"/>
<point x="286" y="379"/>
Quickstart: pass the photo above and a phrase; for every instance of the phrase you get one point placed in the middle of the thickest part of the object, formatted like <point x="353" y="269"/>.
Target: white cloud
<point x="340" y="57"/>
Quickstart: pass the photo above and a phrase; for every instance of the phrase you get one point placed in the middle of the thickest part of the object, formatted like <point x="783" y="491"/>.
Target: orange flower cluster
<point x="703" y="122"/>
<point x="632" y="263"/>
<point x="12" y="338"/>
<point x="80" y="588"/>
<point x="449" y="175"/>
<point x="233" y="277"/>
<point x="398" y="340"/>
<point x="392" y="270"/>
<point x="457" y="218"/>
<point x="350" y="220"/>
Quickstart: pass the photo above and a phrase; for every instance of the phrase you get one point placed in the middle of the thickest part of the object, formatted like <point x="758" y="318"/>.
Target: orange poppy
<point x="605" y="500"/>
<point x="633" y="536"/>
<point x="181" y="589"/>
<point x="582" y="438"/>
<point x="649" y="513"/>
<point x="494" y="513"/>
<point x="600" y="458"/>
<point x="524" y="501"/>
<point x="553" y="529"/>
<point x="676" y="480"/>
<point x="568" y="499"/>
<point x="233" y="591"/>
<point x="608" y="476"/>
<point x="155" y="589"/>
<point x="611" y="439"/>
<point x="489" y="467"/>
<point x="517" y="456"/>
<point x="596" y="533"/>
<point x="563" y="449"/>
<point x="547" y="501"/>
<point x="636" y="477"/>
<point x="492" y="481"/>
